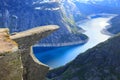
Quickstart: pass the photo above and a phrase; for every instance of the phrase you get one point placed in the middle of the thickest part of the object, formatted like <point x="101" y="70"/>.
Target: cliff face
<point x="32" y="68"/>
<point x="72" y="10"/>
<point x="99" y="63"/>
<point x="12" y="60"/>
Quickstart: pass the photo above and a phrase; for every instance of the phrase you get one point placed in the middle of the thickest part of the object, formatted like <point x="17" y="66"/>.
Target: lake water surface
<point x="58" y="56"/>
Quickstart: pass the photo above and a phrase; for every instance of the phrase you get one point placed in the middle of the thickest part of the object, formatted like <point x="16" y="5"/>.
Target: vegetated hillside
<point x="115" y="25"/>
<point x="99" y="63"/>
<point x="21" y="15"/>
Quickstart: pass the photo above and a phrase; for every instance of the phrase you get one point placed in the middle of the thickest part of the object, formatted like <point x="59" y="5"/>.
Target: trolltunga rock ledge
<point x="17" y="61"/>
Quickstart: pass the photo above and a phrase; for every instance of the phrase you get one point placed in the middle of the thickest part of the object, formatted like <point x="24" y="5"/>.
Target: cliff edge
<point x="10" y="62"/>
<point x="17" y="62"/>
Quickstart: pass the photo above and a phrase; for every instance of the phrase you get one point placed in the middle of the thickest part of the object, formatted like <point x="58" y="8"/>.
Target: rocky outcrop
<point x="10" y="62"/>
<point x="32" y="68"/>
<point x="21" y="64"/>
<point x="99" y="63"/>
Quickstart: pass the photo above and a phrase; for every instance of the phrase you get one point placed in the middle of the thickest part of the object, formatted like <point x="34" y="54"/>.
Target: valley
<point x="58" y="56"/>
<point x="83" y="41"/>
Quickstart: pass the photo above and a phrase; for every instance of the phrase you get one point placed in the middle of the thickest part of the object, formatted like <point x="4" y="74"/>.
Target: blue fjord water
<point x="59" y="56"/>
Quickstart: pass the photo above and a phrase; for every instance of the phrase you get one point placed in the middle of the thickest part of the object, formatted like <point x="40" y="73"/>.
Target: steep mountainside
<point x="21" y="15"/>
<point x="72" y="10"/>
<point x="115" y="25"/>
<point x="99" y="63"/>
<point x="10" y="62"/>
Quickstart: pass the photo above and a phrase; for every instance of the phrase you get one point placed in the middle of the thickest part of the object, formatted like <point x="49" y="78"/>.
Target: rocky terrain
<point x="25" y="40"/>
<point x="17" y="61"/>
<point x="98" y="63"/>
<point x="10" y="62"/>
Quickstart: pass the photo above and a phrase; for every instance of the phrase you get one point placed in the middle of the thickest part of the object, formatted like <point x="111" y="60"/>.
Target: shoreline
<point x="62" y="44"/>
<point x="106" y="32"/>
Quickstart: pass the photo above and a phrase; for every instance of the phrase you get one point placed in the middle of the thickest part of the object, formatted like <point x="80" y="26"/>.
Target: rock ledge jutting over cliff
<point x="17" y="61"/>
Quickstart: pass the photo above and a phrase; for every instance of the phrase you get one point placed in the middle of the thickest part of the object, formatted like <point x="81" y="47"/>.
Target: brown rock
<point x="6" y="44"/>
<point x="10" y="62"/>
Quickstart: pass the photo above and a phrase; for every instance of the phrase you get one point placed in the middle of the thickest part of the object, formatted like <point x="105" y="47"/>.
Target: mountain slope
<point x="21" y="15"/>
<point x="99" y="63"/>
<point x="115" y="25"/>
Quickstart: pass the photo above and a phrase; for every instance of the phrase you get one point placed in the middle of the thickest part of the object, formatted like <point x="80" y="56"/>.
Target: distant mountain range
<point x="99" y="63"/>
<point x="96" y="7"/>
<point x="90" y="8"/>
<point x="109" y="3"/>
